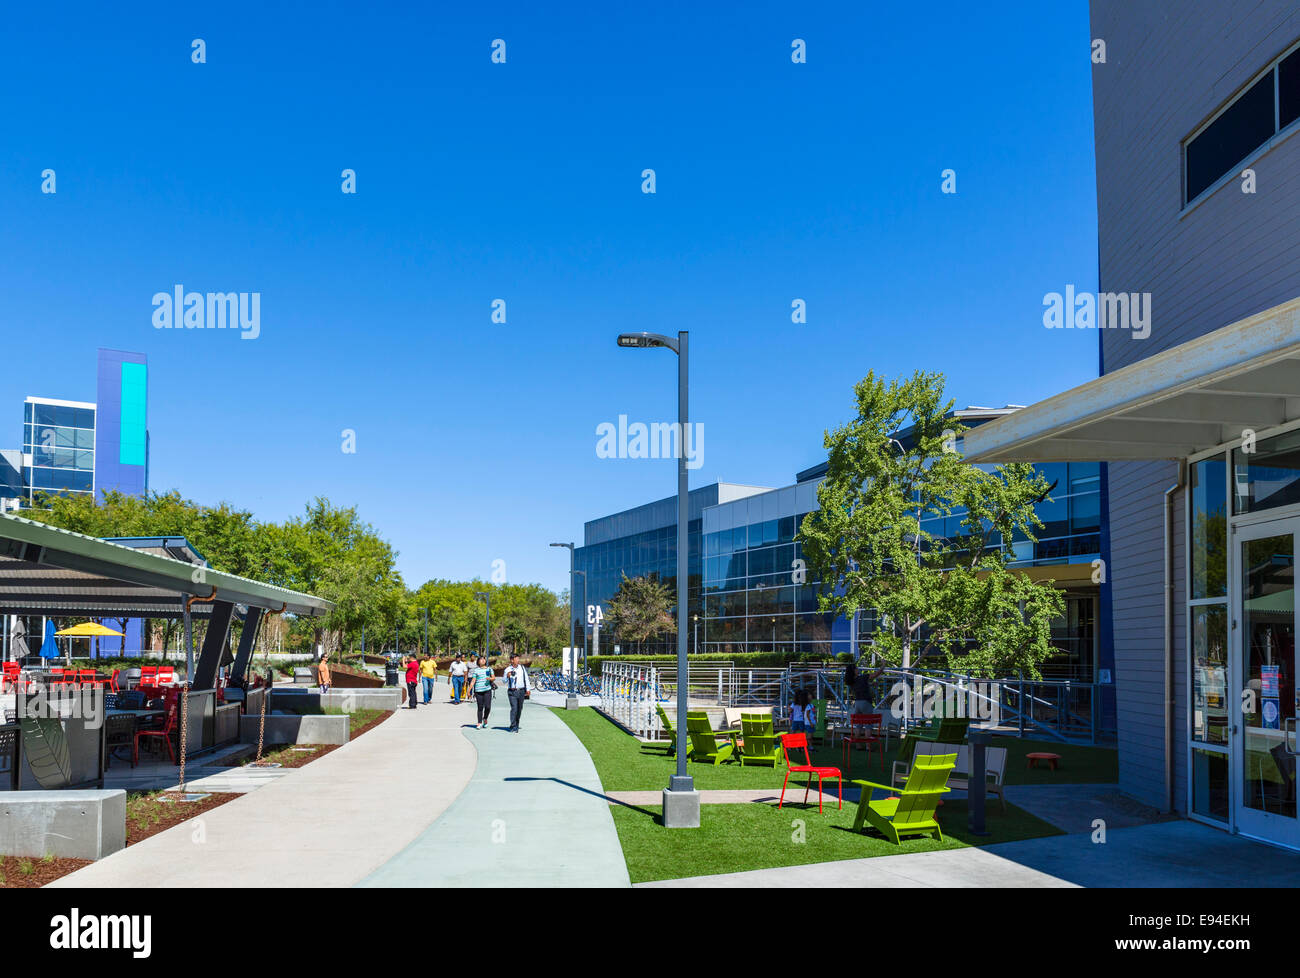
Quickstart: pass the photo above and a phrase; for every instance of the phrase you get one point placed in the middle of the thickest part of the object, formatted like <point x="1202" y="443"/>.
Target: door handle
<point x="1288" y="738"/>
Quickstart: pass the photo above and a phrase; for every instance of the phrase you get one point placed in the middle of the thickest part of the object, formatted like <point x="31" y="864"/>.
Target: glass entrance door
<point x="1266" y="667"/>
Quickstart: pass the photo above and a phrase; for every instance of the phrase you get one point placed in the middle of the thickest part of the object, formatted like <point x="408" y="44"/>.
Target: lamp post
<point x="426" y="630"/>
<point x="487" y="621"/>
<point x="681" y="802"/>
<point x="583" y="575"/>
<point x="570" y="701"/>
<point x="697" y="635"/>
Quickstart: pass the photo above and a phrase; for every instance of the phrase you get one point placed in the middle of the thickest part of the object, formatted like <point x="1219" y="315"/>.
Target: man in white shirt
<point x="518" y="686"/>
<point x="458" y="670"/>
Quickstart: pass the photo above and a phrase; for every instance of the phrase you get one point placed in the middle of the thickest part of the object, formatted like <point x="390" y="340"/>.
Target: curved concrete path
<point x="534" y="814"/>
<point x="330" y="823"/>
<point x="412" y="803"/>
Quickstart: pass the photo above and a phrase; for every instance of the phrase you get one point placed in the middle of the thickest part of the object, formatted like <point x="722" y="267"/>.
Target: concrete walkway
<point x="330" y="823"/>
<point x="534" y="814"/>
<point x="1180" y="854"/>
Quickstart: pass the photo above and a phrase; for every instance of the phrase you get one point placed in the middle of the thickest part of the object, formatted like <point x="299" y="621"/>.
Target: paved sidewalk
<point x="330" y="823"/>
<point x="533" y="815"/>
<point x="1181" y="854"/>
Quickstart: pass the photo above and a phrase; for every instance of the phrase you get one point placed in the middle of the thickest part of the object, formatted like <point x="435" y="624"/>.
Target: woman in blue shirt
<point x="483" y="683"/>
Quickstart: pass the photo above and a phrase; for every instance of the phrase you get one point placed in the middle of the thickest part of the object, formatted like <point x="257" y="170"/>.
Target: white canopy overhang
<point x="1194" y="397"/>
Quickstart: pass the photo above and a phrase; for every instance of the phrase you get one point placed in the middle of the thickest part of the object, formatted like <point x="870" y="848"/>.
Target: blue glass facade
<point x="122" y="437"/>
<point x="750" y="590"/>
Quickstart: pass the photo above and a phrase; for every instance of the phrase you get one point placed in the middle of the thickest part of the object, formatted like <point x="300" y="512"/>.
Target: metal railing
<point x="628" y="694"/>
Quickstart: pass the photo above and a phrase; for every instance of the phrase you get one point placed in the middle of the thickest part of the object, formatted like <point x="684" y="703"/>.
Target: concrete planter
<point x="286" y="729"/>
<point x="75" y="824"/>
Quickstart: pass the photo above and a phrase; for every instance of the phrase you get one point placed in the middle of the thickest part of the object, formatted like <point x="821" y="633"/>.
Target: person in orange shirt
<point x="323" y="672"/>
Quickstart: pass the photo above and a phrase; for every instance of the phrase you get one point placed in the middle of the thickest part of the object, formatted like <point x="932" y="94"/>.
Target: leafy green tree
<point x="641" y="609"/>
<point x="945" y="600"/>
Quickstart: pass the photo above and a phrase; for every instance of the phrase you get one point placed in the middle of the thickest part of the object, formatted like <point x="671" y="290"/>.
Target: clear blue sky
<point x="522" y="181"/>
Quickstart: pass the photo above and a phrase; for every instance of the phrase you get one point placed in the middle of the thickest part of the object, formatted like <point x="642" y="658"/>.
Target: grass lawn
<point x="626" y="764"/>
<point x="736" y="838"/>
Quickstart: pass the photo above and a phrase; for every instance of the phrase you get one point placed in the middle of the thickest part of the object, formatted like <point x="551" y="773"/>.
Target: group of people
<point x="478" y="678"/>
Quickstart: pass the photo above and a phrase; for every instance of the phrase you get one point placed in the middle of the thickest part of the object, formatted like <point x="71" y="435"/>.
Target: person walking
<point x="519" y="689"/>
<point x="457" y="671"/>
<point x="428" y="673"/>
<point x="323" y="673"/>
<point x="412" y="678"/>
<point x="484" y="683"/>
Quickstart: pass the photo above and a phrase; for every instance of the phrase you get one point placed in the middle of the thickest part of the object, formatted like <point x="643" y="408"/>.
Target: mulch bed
<point x="167" y="813"/>
<point x="290" y="758"/>
<point x="42" y="871"/>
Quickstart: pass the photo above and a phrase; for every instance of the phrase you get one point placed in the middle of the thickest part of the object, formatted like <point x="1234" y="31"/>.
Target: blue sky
<point x="521" y="181"/>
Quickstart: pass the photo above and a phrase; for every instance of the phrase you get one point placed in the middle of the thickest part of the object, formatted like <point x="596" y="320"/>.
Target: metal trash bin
<point x="390" y="671"/>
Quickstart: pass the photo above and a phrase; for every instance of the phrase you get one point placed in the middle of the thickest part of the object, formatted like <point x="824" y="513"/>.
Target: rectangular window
<point x="1269" y="476"/>
<point x="1210" y="673"/>
<point x="1254" y="117"/>
<point x="1288" y="90"/>
<point x="1210" y="789"/>
<point x="1209" y="529"/>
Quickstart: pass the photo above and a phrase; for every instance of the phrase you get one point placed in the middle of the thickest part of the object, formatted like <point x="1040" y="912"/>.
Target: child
<point x="799" y="713"/>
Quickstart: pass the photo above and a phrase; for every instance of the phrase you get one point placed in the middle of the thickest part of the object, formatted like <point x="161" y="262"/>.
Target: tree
<point x="949" y="600"/>
<point x="641" y="609"/>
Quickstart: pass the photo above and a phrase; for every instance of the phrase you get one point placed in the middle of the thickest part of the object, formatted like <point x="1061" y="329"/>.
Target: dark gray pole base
<point x="681" y="809"/>
<point x="571" y="702"/>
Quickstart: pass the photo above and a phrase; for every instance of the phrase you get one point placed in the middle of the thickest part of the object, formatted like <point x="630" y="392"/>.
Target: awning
<point x="1191" y="398"/>
<point x="45" y="570"/>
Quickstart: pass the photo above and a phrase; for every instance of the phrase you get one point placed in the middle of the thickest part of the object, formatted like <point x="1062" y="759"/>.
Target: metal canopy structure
<point x="45" y="570"/>
<point x="1194" y="397"/>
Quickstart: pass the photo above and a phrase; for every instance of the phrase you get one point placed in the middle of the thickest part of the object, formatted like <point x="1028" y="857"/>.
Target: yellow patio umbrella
<point x="87" y="629"/>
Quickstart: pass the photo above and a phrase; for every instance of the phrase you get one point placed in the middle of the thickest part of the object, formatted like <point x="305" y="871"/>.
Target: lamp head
<point x="644" y="340"/>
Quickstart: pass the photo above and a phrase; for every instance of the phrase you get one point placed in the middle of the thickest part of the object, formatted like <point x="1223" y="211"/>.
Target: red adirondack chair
<point x="799" y="741"/>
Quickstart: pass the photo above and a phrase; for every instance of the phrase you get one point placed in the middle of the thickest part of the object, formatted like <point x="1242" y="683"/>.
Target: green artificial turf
<point x="737" y="838"/>
<point x="626" y="764"/>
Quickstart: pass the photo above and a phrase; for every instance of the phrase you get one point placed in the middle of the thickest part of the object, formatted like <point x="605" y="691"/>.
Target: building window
<point x="1269" y="476"/>
<point x="1209" y="529"/>
<point x="1266" y="107"/>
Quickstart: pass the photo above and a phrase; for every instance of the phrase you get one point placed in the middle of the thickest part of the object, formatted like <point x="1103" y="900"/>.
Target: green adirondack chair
<point x="704" y="745"/>
<point x="668" y="729"/>
<point x="912" y="811"/>
<point x="951" y="730"/>
<point x="760" y="741"/>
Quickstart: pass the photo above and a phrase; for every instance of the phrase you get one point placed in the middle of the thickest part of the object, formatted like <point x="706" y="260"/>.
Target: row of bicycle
<point x="556" y="681"/>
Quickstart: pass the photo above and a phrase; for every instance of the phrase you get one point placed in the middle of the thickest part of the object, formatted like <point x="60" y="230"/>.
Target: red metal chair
<point x="799" y="741"/>
<point x="112" y="681"/>
<point x="9" y="677"/>
<point x="148" y="676"/>
<point x="864" y="728"/>
<point x="86" y="677"/>
<point x="166" y="675"/>
<point x="165" y="732"/>
<point x="63" y="678"/>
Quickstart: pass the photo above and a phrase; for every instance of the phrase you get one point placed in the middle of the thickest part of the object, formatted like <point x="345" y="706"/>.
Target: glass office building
<point x="750" y="589"/>
<point x="80" y="447"/>
<point x="642" y="542"/>
<point x="58" y="448"/>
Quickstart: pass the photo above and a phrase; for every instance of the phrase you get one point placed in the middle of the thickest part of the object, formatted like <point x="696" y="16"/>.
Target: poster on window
<point x="1268" y="694"/>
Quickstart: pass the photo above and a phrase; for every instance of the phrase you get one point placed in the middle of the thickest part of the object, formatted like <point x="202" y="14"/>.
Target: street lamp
<point x="571" y="701"/>
<point x="681" y="802"/>
<point x="487" y="621"/>
<point x="697" y="634"/>
<point x="583" y="575"/>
